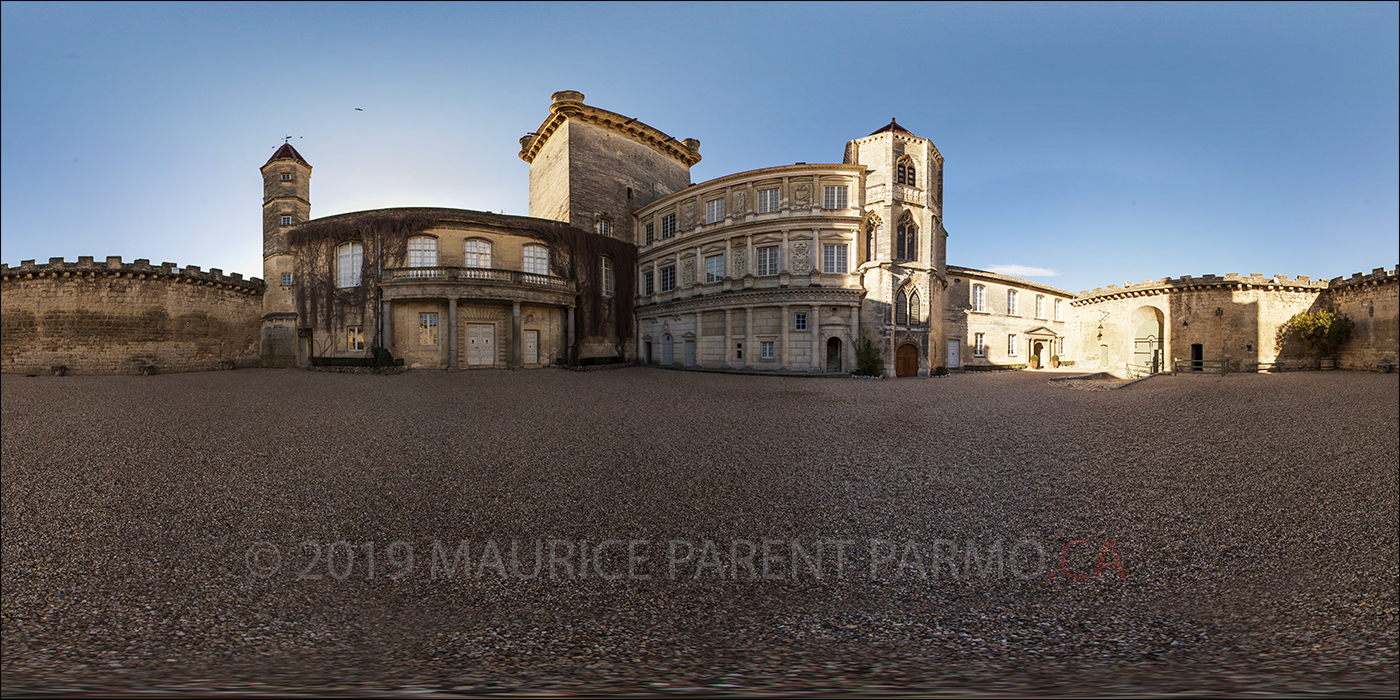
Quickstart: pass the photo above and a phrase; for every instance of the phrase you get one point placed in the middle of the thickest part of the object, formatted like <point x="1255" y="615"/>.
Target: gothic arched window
<point x="872" y="234"/>
<point x="904" y="172"/>
<point x="901" y="309"/>
<point x="914" y="317"/>
<point x="907" y="243"/>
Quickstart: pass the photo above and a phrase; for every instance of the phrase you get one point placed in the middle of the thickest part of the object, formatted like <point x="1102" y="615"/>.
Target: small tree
<point x="1323" y="330"/>
<point x="867" y="357"/>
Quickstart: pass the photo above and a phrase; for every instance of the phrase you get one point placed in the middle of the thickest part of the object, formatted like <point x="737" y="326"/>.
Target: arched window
<point x="907" y="245"/>
<point x="349" y="258"/>
<point x="422" y="251"/>
<point x="904" y="172"/>
<point x="872" y="233"/>
<point x="914" y="315"/>
<point x="478" y="253"/>
<point x="901" y="309"/>
<point x="536" y="260"/>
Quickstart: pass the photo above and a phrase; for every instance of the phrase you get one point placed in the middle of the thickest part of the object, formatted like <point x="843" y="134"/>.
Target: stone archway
<point x="906" y="360"/>
<point x="1148" y="327"/>
<point x="833" y="354"/>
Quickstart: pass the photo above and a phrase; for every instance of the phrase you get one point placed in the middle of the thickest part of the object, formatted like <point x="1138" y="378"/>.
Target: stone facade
<point x="624" y="259"/>
<point x="126" y="318"/>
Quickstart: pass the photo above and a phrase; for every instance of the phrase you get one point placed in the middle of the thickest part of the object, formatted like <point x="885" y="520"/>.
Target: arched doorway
<point x="833" y="354"/>
<point x="906" y="361"/>
<point x="668" y="350"/>
<point x="1146" y="322"/>
<point x="1038" y="350"/>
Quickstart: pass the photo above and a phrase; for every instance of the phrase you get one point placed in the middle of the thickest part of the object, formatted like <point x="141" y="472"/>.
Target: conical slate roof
<point x="892" y="126"/>
<point x="286" y="151"/>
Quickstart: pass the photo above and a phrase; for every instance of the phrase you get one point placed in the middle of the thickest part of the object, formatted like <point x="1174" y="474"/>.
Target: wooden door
<point x="906" y="361"/>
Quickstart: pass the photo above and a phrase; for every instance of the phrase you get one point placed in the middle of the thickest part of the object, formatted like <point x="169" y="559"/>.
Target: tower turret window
<point x="904" y="172"/>
<point x="286" y="221"/>
<point x="286" y="177"/>
<point x="907" y="243"/>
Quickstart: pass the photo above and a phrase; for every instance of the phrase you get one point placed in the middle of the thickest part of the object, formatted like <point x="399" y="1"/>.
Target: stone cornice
<point x="139" y="269"/>
<point x="566" y="108"/>
<point x="955" y="270"/>
<point x="755" y="297"/>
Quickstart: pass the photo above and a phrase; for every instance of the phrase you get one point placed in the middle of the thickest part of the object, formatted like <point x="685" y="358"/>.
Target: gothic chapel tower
<point x="902" y="248"/>
<point x="286" y="203"/>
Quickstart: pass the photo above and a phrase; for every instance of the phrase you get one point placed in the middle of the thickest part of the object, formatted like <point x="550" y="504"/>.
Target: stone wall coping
<point x="1235" y="279"/>
<point x="113" y="265"/>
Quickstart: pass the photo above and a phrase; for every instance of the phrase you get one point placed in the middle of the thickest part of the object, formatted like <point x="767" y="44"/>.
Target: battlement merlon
<point x="113" y="266"/>
<point x="1376" y="276"/>
<point x="568" y="104"/>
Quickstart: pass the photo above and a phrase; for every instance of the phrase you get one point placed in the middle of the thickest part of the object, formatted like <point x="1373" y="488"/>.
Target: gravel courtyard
<point x="259" y="530"/>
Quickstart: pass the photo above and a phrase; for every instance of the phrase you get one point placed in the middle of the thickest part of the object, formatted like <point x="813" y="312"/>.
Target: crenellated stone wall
<point x="125" y="318"/>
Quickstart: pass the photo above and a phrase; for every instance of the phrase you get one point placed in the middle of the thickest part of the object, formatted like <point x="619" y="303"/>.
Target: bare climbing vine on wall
<point x="574" y="254"/>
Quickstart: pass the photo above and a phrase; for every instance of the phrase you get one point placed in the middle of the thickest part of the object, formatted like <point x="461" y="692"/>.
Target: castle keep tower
<point x="591" y="168"/>
<point x="286" y="203"/>
<point x="903" y="248"/>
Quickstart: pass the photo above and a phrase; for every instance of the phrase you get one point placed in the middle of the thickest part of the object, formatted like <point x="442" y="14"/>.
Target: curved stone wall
<point x="126" y="318"/>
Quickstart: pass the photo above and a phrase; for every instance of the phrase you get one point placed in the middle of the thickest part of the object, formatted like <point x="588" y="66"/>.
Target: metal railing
<point x="1221" y="367"/>
<point x="477" y="274"/>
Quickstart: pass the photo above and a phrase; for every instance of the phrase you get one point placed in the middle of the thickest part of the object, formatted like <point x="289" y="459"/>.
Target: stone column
<point x="388" y="340"/>
<point x="850" y="350"/>
<point x="515" y="335"/>
<point x="728" y="332"/>
<point x="749" y="349"/>
<point x="569" y="338"/>
<point x="783" y="356"/>
<point x="452" y="335"/>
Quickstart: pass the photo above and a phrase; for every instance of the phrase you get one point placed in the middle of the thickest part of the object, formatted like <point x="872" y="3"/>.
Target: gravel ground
<point x="1233" y="535"/>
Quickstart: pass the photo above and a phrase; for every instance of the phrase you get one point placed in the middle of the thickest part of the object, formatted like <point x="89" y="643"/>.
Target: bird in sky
<point x="357" y="109"/>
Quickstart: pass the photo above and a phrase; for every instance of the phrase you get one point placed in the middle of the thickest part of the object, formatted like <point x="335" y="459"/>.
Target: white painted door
<point x="689" y="353"/>
<point x="954" y="348"/>
<point x="531" y="354"/>
<point x="481" y="346"/>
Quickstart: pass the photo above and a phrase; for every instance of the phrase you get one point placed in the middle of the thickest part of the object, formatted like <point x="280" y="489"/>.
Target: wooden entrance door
<point x="481" y="345"/>
<point x="906" y="361"/>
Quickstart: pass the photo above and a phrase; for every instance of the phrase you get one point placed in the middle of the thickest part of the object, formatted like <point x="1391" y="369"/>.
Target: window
<point x="914" y="309"/>
<point x="904" y="172"/>
<point x="979" y="297"/>
<point x="536" y="260"/>
<point x="478" y="253"/>
<point x="668" y="278"/>
<point x="799" y="321"/>
<point x="979" y="344"/>
<point x="348" y="260"/>
<point x="1059" y="346"/>
<point x="649" y="283"/>
<point x="1010" y="302"/>
<point x="651" y="233"/>
<point x="286" y="221"/>
<point x="1040" y="306"/>
<point x="767" y="261"/>
<point x="901" y="309"/>
<point x="714" y="210"/>
<point x="427" y="329"/>
<point x="355" y="338"/>
<point x="738" y="351"/>
<point x="714" y="269"/>
<point x="765" y="349"/>
<point x="607" y="277"/>
<point x="1011" y="345"/>
<point x="1059" y="314"/>
<point x="907" y="246"/>
<point x="834" y="259"/>
<point x="872" y="233"/>
<point x="668" y="225"/>
<point x="604" y="227"/>
<point x="286" y="279"/>
<point x="422" y="251"/>
<point x="768" y="201"/>
<point x="286" y="177"/>
<point x="834" y="197"/>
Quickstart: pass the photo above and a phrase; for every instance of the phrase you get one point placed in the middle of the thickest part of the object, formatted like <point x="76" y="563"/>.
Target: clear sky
<point x="1086" y="144"/>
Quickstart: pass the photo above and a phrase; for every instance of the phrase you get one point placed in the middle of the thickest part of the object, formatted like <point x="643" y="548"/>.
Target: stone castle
<point x="622" y="259"/>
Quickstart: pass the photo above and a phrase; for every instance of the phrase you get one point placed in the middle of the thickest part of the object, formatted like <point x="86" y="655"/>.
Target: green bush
<point x="382" y="358"/>
<point x="1323" y="330"/>
<point x="940" y="371"/>
<point x="867" y="357"/>
<point x="1054" y="358"/>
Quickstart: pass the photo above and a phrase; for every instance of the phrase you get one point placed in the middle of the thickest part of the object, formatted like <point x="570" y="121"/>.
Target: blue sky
<point x="1097" y="143"/>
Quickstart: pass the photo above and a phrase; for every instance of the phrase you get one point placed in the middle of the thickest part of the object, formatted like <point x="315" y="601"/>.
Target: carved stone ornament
<point x="688" y="216"/>
<point x="688" y="273"/>
<point x="740" y="263"/>
<point x="803" y="195"/>
<point x="799" y="257"/>
<point x="741" y="200"/>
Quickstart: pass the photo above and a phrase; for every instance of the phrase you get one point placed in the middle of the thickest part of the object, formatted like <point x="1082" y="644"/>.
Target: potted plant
<point x="1055" y="361"/>
<point x="1035" y="361"/>
<point x="1324" y="331"/>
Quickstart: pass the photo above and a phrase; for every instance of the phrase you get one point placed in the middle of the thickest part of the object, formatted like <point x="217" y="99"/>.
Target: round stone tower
<point x="286" y="203"/>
